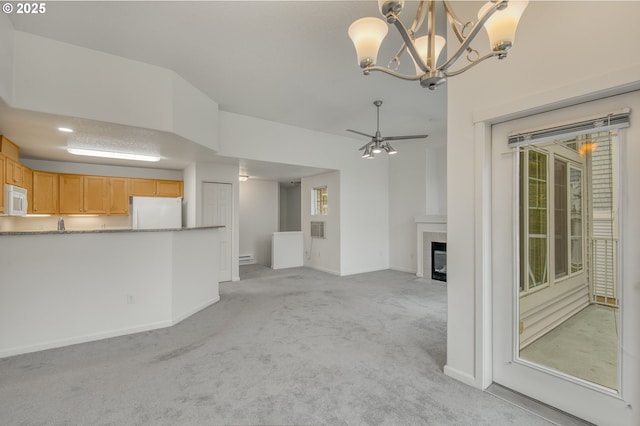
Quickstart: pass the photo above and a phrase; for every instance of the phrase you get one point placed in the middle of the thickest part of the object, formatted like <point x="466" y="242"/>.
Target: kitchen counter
<point x="102" y="231"/>
<point x="62" y="288"/>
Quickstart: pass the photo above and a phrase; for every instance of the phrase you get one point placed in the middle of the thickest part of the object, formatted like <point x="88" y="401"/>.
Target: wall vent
<point x="317" y="229"/>
<point x="247" y="259"/>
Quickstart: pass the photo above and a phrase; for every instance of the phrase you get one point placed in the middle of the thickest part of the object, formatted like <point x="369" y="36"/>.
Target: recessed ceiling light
<point x="65" y="129"/>
<point x="111" y="154"/>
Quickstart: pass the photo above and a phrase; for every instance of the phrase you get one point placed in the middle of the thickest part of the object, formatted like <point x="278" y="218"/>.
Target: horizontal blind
<point x="601" y="123"/>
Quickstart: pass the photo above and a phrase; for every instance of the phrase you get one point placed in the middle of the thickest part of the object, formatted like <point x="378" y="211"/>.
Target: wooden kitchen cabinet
<point x="118" y="195"/>
<point x="2" y="161"/>
<point x="9" y="149"/>
<point x="27" y="174"/>
<point x="155" y="188"/>
<point x="169" y="188"/>
<point x="83" y="194"/>
<point x="14" y="173"/>
<point x="45" y="193"/>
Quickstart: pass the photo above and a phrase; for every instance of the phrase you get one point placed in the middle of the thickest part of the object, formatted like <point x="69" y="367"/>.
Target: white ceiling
<point x="286" y="61"/>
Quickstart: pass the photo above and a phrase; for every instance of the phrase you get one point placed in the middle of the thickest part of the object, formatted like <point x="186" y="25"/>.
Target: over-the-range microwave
<point x="15" y="201"/>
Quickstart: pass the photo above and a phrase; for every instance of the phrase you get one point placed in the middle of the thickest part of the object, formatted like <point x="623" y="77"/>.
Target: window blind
<point x="601" y="123"/>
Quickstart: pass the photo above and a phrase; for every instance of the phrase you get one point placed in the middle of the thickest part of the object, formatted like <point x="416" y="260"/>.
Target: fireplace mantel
<point x="431" y="224"/>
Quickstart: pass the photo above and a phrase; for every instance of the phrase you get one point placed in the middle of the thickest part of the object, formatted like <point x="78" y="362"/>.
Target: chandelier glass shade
<point x="499" y="18"/>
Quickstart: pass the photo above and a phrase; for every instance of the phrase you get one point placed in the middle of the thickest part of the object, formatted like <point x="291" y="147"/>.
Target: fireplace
<point x="439" y="261"/>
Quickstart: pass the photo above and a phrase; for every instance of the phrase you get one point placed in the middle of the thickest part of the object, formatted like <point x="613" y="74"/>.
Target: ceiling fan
<point x="379" y="143"/>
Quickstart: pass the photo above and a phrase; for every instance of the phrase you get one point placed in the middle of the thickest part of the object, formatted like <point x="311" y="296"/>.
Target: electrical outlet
<point x="129" y="299"/>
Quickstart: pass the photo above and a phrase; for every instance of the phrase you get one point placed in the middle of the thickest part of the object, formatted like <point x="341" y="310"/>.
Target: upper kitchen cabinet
<point x="14" y="173"/>
<point x="155" y="188"/>
<point x="118" y="195"/>
<point x="45" y="193"/>
<point x="9" y="149"/>
<point x="83" y="194"/>
<point x="13" y="170"/>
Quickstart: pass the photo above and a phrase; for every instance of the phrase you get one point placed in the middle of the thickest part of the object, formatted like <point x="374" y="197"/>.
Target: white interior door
<point x="583" y="399"/>
<point x="217" y="209"/>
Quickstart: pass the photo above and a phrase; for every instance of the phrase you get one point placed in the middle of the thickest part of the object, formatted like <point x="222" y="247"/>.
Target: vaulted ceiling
<point x="286" y="61"/>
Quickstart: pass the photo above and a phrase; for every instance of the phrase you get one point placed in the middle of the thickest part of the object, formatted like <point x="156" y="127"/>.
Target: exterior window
<point x="319" y="201"/>
<point x="535" y="238"/>
<point x="560" y="218"/>
<point x="575" y="181"/>
<point x="538" y="218"/>
<point x="551" y="218"/>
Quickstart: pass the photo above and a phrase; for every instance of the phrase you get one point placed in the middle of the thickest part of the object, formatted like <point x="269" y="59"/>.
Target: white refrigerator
<point x="156" y="213"/>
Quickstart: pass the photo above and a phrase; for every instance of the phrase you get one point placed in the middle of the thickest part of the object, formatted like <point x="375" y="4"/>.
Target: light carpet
<point x="294" y="346"/>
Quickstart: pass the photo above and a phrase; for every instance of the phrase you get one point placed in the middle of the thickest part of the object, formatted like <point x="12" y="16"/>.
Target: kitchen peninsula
<point x="62" y="288"/>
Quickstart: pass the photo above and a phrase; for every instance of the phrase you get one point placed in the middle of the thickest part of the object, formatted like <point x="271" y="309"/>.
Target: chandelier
<point x="499" y="17"/>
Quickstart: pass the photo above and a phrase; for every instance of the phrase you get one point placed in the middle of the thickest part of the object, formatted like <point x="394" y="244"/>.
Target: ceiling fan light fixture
<point x="390" y="150"/>
<point x="378" y="143"/>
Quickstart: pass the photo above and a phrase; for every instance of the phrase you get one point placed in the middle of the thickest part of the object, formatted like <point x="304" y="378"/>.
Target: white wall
<point x="364" y="210"/>
<point x="76" y="288"/>
<point x="59" y="78"/>
<point x="195" y="116"/>
<point x="524" y="86"/>
<point x="323" y="253"/>
<point x="6" y="59"/>
<point x="258" y="218"/>
<point x="407" y="199"/>
<point x="436" y="185"/>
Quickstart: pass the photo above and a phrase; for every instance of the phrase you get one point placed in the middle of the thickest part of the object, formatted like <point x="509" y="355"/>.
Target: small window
<point x="319" y="201"/>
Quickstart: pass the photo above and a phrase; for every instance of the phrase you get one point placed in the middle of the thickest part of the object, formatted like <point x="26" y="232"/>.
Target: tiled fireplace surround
<point x="428" y="229"/>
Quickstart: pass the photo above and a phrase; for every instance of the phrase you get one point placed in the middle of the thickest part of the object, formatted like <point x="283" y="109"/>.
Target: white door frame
<point x="483" y="120"/>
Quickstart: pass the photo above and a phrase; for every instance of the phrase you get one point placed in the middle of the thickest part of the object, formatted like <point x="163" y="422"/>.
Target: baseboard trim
<point x="4" y="353"/>
<point x="83" y="339"/>
<point x="461" y="376"/>
<point x="186" y="315"/>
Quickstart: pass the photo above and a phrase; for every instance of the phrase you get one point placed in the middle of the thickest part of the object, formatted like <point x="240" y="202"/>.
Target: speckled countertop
<point x="103" y="231"/>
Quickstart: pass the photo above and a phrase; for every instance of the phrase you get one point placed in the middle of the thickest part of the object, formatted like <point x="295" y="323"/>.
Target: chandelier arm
<point x="474" y="32"/>
<point x="419" y="19"/>
<point x="398" y="53"/>
<point x="390" y="72"/>
<point x="454" y="21"/>
<point x="431" y="31"/>
<point x="474" y="63"/>
<point x="408" y="41"/>
<point x="453" y="18"/>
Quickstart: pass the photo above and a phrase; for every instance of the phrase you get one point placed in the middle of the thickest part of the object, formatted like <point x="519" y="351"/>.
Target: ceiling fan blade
<point x="360" y="133"/>
<point x="364" y="146"/>
<point x="397" y="138"/>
